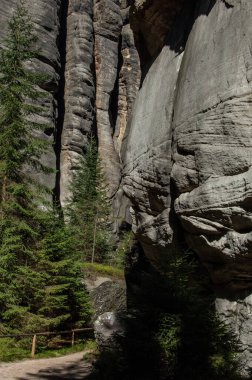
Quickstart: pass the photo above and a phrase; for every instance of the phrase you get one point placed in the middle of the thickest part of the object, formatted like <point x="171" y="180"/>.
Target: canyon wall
<point x="101" y="80"/>
<point x="165" y="86"/>
<point x="187" y="151"/>
<point x="79" y="89"/>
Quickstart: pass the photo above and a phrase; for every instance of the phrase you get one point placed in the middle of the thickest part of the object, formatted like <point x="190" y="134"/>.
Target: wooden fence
<point x="34" y="336"/>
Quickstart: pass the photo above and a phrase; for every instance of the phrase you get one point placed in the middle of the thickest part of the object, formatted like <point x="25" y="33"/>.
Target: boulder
<point x="108" y="329"/>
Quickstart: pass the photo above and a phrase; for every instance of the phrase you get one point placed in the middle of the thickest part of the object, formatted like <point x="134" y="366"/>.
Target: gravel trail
<point x="70" y="367"/>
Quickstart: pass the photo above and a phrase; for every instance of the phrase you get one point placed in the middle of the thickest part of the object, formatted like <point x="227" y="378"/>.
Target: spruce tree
<point x="89" y="208"/>
<point x="19" y="146"/>
<point x="40" y="285"/>
<point x="65" y="303"/>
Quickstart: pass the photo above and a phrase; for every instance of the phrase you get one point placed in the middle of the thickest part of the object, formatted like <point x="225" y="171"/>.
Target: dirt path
<point x="70" y="367"/>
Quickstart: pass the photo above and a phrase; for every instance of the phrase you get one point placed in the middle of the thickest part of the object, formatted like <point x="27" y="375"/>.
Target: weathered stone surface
<point x="101" y="82"/>
<point x="212" y="142"/>
<point x="151" y="20"/>
<point x="107" y="328"/>
<point x="107" y="28"/>
<point x="129" y="78"/>
<point x="79" y="90"/>
<point x="147" y="151"/>
<point x="212" y="156"/>
<point x="45" y="14"/>
<point x="109" y="296"/>
<point x="188" y="146"/>
<point x="186" y="153"/>
<point x="238" y="315"/>
<point x="146" y="156"/>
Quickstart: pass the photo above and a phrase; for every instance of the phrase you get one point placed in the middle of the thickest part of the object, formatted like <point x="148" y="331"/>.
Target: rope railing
<point x="47" y="333"/>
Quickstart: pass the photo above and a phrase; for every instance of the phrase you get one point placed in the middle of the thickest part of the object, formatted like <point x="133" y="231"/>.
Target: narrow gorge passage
<point x="152" y="100"/>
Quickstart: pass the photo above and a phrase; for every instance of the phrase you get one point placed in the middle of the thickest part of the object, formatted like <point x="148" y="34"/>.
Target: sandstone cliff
<point x="187" y="152"/>
<point x="166" y="88"/>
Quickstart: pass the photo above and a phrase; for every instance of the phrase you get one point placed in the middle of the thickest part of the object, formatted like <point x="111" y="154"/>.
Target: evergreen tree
<point x="65" y="303"/>
<point x="89" y="209"/>
<point x="19" y="146"/>
<point x="40" y="285"/>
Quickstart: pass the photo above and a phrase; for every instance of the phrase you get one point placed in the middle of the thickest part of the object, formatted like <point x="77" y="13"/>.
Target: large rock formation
<point x="101" y="81"/>
<point x="79" y="94"/>
<point x="181" y="153"/>
<point x="186" y="156"/>
<point x="148" y="147"/>
<point x="128" y="77"/>
<point x="107" y="27"/>
<point x="212" y="142"/>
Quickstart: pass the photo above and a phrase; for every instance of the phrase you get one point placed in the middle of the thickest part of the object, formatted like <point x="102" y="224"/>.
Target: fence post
<point x="33" y="346"/>
<point x="72" y="338"/>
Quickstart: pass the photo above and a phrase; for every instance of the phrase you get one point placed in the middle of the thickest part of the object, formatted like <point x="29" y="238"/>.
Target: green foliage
<point x="40" y="281"/>
<point x="49" y="295"/>
<point x="19" y="146"/>
<point x="168" y="337"/>
<point x="118" y="256"/>
<point x="65" y="302"/>
<point x="89" y="214"/>
<point x="61" y="351"/>
<point x="104" y="270"/>
<point x="19" y="95"/>
<point x="172" y="323"/>
<point x="10" y="350"/>
<point x="89" y="209"/>
<point x="193" y="342"/>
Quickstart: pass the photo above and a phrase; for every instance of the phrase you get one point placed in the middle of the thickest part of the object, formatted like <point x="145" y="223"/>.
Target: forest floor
<point x="70" y="367"/>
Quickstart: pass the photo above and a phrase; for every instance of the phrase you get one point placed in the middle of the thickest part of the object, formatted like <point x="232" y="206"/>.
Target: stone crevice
<point x="60" y="96"/>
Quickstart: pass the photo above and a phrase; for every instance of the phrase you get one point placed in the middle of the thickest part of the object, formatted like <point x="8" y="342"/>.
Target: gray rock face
<point x="187" y="151"/>
<point x="191" y="120"/>
<point x="212" y="155"/>
<point x="107" y="28"/>
<point x="128" y="78"/>
<point x="238" y="314"/>
<point x="102" y="77"/>
<point x="212" y="142"/>
<point x="151" y="20"/>
<point x="79" y="90"/>
<point x="45" y="14"/>
<point x="147" y="155"/>
<point x="147" y="150"/>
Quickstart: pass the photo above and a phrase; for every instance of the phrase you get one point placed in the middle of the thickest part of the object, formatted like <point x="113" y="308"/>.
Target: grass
<point x="11" y="350"/>
<point x="105" y="270"/>
<point x="89" y="345"/>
